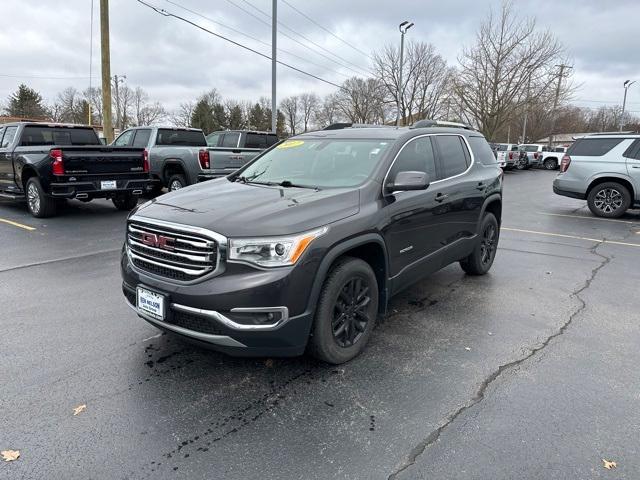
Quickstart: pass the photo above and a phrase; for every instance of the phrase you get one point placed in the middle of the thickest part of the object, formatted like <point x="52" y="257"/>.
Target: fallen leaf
<point x="467" y="349"/>
<point x="269" y="363"/>
<point x="10" y="455"/>
<point x="609" y="465"/>
<point x="79" y="409"/>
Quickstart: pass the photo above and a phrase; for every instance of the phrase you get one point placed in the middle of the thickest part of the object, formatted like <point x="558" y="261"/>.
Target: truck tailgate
<point x="228" y="159"/>
<point x="101" y="160"/>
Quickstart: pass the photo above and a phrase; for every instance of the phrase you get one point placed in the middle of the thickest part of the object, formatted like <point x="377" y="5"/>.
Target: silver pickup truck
<point x="231" y="149"/>
<point x="177" y="156"/>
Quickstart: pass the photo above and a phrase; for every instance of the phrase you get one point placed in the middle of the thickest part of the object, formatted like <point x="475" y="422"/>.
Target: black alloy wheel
<point x="350" y="316"/>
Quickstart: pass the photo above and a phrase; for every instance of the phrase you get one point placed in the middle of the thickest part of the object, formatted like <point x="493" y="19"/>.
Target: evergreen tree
<point x="26" y="102"/>
<point x="202" y="116"/>
<point x="236" y="119"/>
<point x="220" y="117"/>
<point x="256" y="118"/>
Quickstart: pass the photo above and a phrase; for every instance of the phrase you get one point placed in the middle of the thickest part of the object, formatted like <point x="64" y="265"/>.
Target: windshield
<point x="317" y="163"/>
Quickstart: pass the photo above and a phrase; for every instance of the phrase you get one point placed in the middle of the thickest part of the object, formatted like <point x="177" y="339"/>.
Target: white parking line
<point x="562" y="235"/>
<point x="16" y="224"/>
<point x="586" y="218"/>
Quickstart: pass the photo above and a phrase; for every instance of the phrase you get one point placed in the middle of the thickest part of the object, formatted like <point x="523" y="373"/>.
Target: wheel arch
<point x="612" y="178"/>
<point x="27" y="172"/>
<point x="370" y="248"/>
<point x="174" y="167"/>
<point x="492" y="204"/>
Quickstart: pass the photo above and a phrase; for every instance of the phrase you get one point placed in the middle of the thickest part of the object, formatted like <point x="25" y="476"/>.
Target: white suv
<point x="605" y="171"/>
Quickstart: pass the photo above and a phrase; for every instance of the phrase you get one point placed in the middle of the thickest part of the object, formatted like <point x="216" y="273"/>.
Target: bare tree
<point x="146" y="113"/>
<point x="511" y="64"/>
<point x="308" y="105"/>
<point x="181" y="117"/>
<point x="290" y="108"/>
<point x="328" y="111"/>
<point x="425" y="76"/>
<point x="361" y="100"/>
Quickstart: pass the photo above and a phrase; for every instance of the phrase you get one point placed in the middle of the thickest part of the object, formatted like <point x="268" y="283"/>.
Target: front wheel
<point x="346" y="312"/>
<point x="609" y="200"/>
<point x="481" y="259"/>
<point x="125" y="203"/>
<point x="39" y="203"/>
<point x="550" y="164"/>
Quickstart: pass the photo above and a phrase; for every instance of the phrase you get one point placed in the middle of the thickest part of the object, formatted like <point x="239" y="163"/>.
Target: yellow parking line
<point x="585" y="218"/>
<point x="562" y="235"/>
<point x="16" y="224"/>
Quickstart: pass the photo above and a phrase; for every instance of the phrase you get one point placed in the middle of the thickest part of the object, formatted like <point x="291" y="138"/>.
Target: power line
<point x="165" y="13"/>
<point x="358" y="70"/>
<point x="326" y="30"/>
<point x="254" y="38"/>
<point x="44" y="77"/>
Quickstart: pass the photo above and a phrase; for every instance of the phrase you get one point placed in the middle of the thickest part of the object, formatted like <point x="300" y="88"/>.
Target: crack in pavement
<point x="61" y="259"/>
<point x="480" y="394"/>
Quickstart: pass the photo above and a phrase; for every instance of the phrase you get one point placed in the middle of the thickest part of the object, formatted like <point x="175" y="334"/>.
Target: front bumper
<point x="92" y="188"/>
<point x="219" y="312"/>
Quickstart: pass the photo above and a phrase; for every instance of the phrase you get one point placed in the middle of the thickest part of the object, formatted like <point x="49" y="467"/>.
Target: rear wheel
<point x="522" y="164"/>
<point x="125" y="202"/>
<point x="39" y="203"/>
<point x="481" y="259"/>
<point x="609" y="200"/>
<point x="346" y="312"/>
<point x="176" y="182"/>
<point x="550" y="164"/>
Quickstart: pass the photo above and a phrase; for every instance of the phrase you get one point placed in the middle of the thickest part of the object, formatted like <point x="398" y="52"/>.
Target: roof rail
<point x="440" y="123"/>
<point x="340" y="126"/>
<point x="629" y="132"/>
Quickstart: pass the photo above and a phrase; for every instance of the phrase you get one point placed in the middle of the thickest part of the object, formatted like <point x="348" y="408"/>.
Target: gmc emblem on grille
<point x="158" y="241"/>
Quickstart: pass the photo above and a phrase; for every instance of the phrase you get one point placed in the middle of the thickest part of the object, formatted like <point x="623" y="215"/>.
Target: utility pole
<point x="90" y="122"/>
<point x="626" y="85"/>
<point x="556" y="100"/>
<point x="274" y="39"/>
<point x="403" y="27"/>
<point x="106" y="71"/>
<point x="526" y="107"/>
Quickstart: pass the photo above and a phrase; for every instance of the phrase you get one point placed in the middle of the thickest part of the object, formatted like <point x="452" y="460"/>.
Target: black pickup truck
<point x="47" y="163"/>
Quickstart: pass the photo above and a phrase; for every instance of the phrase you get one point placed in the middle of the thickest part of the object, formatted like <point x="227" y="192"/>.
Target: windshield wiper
<point x="288" y="183"/>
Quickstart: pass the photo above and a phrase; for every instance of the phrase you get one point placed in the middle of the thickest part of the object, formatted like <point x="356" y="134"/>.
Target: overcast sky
<point x="175" y="62"/>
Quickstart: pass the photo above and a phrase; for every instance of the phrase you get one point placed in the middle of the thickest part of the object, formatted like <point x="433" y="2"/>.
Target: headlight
<point x="272" y="251"/>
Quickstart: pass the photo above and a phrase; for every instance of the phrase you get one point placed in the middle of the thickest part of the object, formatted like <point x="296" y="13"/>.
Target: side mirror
<point x="405" y="181"/>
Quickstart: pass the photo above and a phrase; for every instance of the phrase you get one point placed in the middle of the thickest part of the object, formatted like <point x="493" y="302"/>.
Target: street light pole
<point x="403" y="27"/>
<point x="274" y="38"/>
<point x="626" y="85"/>
<point x="526" y="107"/>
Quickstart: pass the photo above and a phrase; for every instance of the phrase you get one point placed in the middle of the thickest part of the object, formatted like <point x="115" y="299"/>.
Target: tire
<point x="609" y="200"/>
<point x="550" y="164"/>
<point x="40" y="204"/>
<point x="176" y="182"/>
<point x="522" y="164"/>
<point x="337" y="342"/>
<point x="125" y="203"/>
<point x="483" y="255"/>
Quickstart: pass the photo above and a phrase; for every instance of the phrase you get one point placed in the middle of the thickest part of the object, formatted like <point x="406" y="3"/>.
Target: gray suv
<point x="605" y="171"/>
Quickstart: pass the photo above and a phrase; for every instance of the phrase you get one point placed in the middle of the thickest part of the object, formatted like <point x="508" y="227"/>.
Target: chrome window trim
<point x="221" y="240"/>
<point x="473" y="159"/>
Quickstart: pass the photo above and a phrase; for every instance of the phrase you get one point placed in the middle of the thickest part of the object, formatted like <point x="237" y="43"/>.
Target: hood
<point x="244" y="210"/>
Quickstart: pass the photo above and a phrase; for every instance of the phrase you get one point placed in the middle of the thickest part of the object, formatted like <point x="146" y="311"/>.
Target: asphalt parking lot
<point x="528" y="372"/>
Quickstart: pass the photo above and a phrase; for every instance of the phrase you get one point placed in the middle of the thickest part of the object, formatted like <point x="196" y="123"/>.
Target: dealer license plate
<point x="108" y="185"/>
<point x="150" y="303"/>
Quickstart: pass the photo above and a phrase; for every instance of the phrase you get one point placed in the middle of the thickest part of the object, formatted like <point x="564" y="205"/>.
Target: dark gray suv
<point x="303" y="247"/>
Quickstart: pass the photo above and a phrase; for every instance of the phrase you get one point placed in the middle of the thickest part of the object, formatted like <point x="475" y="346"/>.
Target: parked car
<point x="551" y="157"/>
<point x="232" y="149"/>
<point x="176" y="155"/>
<point x="605" y="171"/>
<point x="47" y="163"/>
<point x="507" y="154"/>
<point x="530" y="155"/>
<point x="308" y="242"/>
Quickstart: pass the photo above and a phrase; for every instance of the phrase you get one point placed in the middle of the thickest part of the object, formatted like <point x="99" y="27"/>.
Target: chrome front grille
<point x="171" y="252"/>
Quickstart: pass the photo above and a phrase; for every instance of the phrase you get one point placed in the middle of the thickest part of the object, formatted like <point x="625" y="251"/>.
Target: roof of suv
<point x="390" y="133"/>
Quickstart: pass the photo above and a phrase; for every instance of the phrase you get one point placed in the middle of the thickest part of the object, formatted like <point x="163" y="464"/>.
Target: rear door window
<point x="451" y="154"/>
<point x="593" y="147"/>
<point x="230" y="140"/>
<point x="142" y="137"/>
<point x="481" y="151"/>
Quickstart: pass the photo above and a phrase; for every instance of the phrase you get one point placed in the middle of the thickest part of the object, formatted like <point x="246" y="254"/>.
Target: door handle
<point x="635" y="166"/>
<point x="441" y="196"/>
<point x="481" y="186"/>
